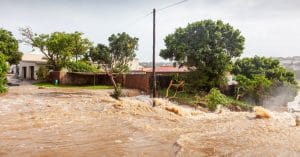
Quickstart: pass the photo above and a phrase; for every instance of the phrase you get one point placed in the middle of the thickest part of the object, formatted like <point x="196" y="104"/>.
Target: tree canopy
<point x="122" y="49"/>
<point x="207" y="46"/>
<point x="3" y="70"/>
<point x="118" y="54"/>
<point x="270" y="68"/>
<point x="100" y="54"/>
<point x="9" y="47"/>
<point x="80" y="44"/>
<point x="260" y="77"/>
<point x="58" y="47"/>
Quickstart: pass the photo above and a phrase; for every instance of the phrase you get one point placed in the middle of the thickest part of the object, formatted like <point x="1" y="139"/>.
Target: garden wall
<point x="131" y="81"/>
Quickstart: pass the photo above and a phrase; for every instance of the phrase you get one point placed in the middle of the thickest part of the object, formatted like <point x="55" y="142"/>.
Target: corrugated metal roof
<point x="167" y="69"/>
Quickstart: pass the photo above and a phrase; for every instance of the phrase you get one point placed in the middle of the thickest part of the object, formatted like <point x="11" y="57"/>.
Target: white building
<point x="29" y="65"/>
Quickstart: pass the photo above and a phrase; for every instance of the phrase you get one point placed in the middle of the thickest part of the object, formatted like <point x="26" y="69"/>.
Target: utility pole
<point x="153" y="62"/>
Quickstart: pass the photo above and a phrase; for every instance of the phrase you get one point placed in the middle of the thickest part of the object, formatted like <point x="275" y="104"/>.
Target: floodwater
<point x="72" y="122"/>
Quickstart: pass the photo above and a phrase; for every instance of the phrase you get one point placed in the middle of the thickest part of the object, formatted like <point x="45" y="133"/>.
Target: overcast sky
<point x="271" y="27"/>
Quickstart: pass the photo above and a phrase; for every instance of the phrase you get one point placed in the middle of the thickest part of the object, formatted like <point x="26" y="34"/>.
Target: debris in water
<point x="118" y="105"/>
<point x="221" y="109"/>
<point x="173" y="109"/>
<point x="261" y="112"/>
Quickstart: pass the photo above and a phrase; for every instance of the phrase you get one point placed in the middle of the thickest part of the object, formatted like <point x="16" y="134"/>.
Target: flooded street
<point x="74" y="122"/>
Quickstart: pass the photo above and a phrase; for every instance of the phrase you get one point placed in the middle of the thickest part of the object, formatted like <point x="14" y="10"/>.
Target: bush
<point x="43" y="73"/>
<point x="117" y="92"/>
<point x="215" y="98"/>
<point x="81" y="66"/>
<point x="3" y="70"/>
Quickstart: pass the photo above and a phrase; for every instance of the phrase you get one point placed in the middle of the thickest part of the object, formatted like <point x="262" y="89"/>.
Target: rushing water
<point x="70" y="122"/>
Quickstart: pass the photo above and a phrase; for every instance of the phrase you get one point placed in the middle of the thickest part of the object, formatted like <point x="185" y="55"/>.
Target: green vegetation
<point x="210" y="100"/>
<point x="9" y="47"/>
<point x="214" y="98"/>
<point x="117" y="92"/>
<point x="207" y="47"/>
<point x="81" y="66"/>
<point x="8" y="53"/>
<point x="58" y="47"/>
<point x="42" y="73"/>
<point x="118" y="54"/>
<point x="3" y="70"/>
<point x="270" y="68"/>
<point x="259" y="77"/>
<point x="49" y="85"/>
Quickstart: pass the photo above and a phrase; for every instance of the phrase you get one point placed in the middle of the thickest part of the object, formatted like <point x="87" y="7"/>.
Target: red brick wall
<point x="136" y="81"/>
<point x="131" y="81"/>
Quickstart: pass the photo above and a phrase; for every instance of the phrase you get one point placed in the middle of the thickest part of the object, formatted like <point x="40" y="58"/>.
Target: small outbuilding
<point x="29" y="65"/>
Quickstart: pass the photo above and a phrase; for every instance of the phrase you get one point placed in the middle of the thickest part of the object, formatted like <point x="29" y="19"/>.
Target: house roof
<point x="167" y="69"/>
<point x="33" y="57"/>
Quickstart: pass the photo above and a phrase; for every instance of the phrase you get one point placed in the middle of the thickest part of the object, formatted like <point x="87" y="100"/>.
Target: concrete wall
<point x="28" y="70"/>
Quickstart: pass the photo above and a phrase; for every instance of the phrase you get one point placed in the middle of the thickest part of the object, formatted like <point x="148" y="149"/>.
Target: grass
<point x="49" y="85"/>
<point x="197" y="100"/>
<point x="181" y="97"/>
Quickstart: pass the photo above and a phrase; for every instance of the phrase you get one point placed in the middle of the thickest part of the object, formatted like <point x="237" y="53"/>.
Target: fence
<point x="131" y="81"/>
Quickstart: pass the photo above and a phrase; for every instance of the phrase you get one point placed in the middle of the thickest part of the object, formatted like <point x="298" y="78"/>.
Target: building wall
<point x="28" y="70"/>
<point x="131" y="81"/>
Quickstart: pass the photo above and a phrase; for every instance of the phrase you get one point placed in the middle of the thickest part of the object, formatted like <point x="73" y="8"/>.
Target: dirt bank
<point x="72" y="122"/>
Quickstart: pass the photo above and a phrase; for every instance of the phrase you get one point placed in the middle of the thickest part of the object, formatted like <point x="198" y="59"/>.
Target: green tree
<point x="100" y="54"/>
<point x="80" y="45"/>
<point x="9" y="47"/>
<point x="256" y="88"/>
<point x="270" y="68"/>
<point x="3" y="71"/>
<point x="58" y="47"/>
<point x="259" y="77"/>
<point x="207" y="47"/>
<point x="122" y="49"/>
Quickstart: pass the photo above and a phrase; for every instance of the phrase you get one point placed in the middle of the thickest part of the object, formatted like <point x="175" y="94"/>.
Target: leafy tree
<point x="81" y="66"/>
<point x="256" y="88"/>
<point x="3" y="70"/>
<point x="259" y="77"/>
<point x="80" y="44"/>
<point x="58" y="47"/>
<point x="100" y="54"/>
<point x="271" y="68"/>
<point x="207" y="47"/>
<point x="9" y="47"/>
<point x="122" y="49"/>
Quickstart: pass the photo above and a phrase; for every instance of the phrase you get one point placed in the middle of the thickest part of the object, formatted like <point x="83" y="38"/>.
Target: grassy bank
<point x="202" y="100"/>
<point x="49" y="85"/>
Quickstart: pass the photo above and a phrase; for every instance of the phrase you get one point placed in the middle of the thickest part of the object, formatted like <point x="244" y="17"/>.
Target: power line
<point x="150" y="13"/>
<point x="171" y="5"/>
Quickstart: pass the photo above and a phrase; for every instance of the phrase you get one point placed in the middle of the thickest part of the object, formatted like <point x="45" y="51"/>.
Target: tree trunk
<point x="110" y="75"/>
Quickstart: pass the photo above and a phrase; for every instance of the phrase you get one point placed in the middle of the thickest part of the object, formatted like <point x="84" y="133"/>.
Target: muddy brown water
<point x="73" y="122"/>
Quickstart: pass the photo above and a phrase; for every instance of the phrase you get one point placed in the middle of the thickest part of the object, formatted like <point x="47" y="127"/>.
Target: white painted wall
<point x="28" y="72"/>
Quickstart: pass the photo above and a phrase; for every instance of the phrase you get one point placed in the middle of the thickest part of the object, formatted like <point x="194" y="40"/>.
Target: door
<point x="24" y="69"/>
<point x="31" y="72"/>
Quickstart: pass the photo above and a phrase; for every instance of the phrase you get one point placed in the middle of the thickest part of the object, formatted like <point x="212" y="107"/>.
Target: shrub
<point x="3" y="70"/>
<point x="117" y="92"/>
<point x="43" y="73"/>
<point x="81" y="66"/>
<point x="215" y="98"/>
